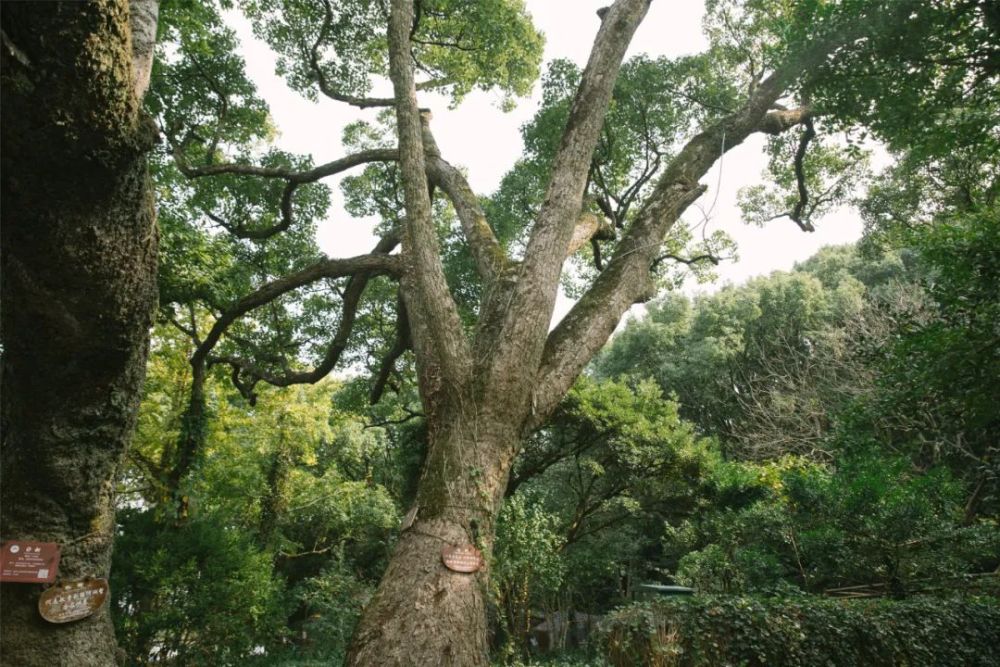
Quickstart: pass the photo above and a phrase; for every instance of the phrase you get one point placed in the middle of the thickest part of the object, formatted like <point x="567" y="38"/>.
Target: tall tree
<point x="79" y="288"/>
<point x="483" y="394"/>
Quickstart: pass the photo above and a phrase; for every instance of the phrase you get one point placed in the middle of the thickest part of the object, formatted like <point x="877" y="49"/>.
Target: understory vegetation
<point x="793" y="632"/>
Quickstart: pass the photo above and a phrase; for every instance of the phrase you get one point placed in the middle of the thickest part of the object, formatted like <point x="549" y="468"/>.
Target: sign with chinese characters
<point x="72" y="600"/>
<point x="465" y="558"/>
<point x="29" y="562"/>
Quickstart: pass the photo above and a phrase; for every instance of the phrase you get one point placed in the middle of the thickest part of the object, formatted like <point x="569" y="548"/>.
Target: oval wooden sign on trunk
<point x="465" y="558"/>
<point x="72" y="600"/>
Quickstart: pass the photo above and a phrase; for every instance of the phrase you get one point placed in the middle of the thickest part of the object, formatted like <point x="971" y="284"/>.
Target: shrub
<point x="752" y="632"/>
<point x="200" y="593"/>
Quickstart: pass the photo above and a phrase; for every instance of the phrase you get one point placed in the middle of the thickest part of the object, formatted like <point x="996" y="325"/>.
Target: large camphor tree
<point x="79" y="293"/>
<point x="484" y="390"/>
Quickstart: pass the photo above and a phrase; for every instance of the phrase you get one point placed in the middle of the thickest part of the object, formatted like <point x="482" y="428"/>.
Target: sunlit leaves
<point x="200" y="94"/>
<point x="923" y="76"/>
<point x="349" y="41"/>
<point x="478" y="45"/>
<point x="284" y="511"/>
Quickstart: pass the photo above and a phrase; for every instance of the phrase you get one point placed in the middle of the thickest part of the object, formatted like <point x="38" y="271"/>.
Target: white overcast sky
<point x="486" y="141"/>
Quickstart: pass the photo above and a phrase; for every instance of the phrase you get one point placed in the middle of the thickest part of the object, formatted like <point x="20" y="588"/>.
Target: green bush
<point x="752" y="632"/>
<point x="199" y="593"/>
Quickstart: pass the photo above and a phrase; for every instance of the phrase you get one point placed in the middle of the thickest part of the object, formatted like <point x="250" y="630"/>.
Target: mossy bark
<point x="78" y="293"/>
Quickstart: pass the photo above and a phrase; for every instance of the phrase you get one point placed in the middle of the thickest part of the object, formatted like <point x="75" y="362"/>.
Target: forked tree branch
<point x="377" y="263"/>
<point x="247" y="374"/>
<point x="520" y="337"/>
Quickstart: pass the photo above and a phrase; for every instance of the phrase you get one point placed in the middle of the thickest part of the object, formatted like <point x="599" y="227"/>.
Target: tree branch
<point x="781" y="119"/>
<point x="143" y="16"/>
<point x="401" y="345"/>
<point x="525" y="319"/>
<point x="371" y="265"/>
<point x="351" y="298"/>
<point x="690" y="261"/>
<point x="589" y="227"/>
<point x="487" y="252"/>
<point x="246" y="374"/>
<point x="627" y="279"/>
<point x="293" y="178"/>
<point x="297" y="177"/>
<point x="800" y="177"/>
<point x="438" y="335"/>
<point x="321" y="80"/>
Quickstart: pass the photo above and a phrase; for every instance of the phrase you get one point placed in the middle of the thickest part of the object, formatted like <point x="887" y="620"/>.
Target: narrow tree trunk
<point x="190" y="444"/>
<point x="423" y="613"/>
<point x="274" y="504"/>
<point x="79" y="268"/>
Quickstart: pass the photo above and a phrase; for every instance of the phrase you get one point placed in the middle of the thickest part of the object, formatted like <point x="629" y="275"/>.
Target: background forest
<point x="814" y="452"/>
<point x="828" y="428"/>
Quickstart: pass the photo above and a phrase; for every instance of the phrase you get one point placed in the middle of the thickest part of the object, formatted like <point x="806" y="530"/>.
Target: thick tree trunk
<point x="424" y="613"/>
<point x="79" y="267"/>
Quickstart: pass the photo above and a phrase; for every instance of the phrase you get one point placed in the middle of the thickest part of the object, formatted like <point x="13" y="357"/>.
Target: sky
<point x="486" y="141"/>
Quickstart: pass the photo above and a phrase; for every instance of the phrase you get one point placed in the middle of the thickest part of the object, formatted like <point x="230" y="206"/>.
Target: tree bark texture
<point x="78" y="294"/>
<point x="423" y="613"/>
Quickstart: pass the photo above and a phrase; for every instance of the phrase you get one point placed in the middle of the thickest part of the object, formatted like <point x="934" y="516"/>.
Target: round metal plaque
<point x="465" y="558"/>
<point x="72" y="600"/>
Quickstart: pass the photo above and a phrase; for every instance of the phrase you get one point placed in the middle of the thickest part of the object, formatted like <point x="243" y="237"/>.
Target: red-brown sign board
<point x="72" y="600"/>
<point x="29" y="562"/>
<point x="465" y="558"/>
